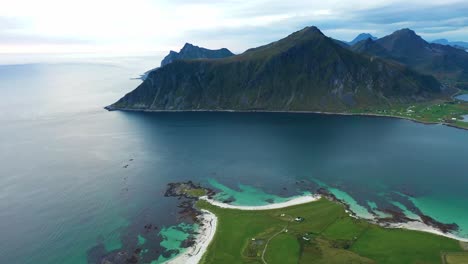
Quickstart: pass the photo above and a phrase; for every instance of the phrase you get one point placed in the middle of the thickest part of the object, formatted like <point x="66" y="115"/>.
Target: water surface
<point x="67" y="196"/>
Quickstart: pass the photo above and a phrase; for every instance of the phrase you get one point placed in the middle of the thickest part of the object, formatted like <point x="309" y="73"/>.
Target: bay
<point x="78" y="182"/>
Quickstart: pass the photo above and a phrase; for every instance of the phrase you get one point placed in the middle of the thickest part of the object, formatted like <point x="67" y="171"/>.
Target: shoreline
<point x="110" y="108"/>
<point x="411" y="225"/>
<point x="294" y="201"/>
<point x="194" y="254"/>
<point x="422" y="227"/>
<point x="207" y="230"/>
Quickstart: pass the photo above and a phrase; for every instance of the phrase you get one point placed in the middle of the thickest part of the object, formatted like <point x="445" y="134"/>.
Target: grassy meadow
<point x="327" y="235"/>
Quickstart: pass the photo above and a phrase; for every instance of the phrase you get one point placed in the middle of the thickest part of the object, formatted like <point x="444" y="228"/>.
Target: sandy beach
<point x="420" y="226"/>
<point x="294" y="201"/>
<point x="194" y="254"/>
<point x="206" y="234"/>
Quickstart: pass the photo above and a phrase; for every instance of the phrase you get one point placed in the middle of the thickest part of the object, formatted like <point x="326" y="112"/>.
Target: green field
<point x="455" y="258"/>
<point x="443" y="111"/>
<point x="198" y="192"/>
<point x="327" y="235"/>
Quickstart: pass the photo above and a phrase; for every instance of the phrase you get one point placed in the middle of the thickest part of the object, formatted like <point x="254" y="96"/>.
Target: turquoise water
<point x="246" y="195"/>
<point x="173" y="237"/>
<point x="67" y="196"/>
<point x="437" y="207"/>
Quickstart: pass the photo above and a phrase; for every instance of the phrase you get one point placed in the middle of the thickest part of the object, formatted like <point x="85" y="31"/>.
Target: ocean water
<point x="463" y="97"/>
<point x="68" y="196"/>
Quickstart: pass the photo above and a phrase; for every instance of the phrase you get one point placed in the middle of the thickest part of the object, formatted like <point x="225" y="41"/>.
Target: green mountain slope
<point x="405" y="46"/>
<point x="305" y="71"/>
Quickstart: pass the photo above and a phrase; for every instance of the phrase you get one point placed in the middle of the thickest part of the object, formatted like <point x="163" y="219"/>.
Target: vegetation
<point x="305" y="71"/>
<point x="455" y="258"/>
<point x="441" y="111"/>
<point x="327" y="235"/>
<point x="197" y="192"/>
<point x="447" y="63"/>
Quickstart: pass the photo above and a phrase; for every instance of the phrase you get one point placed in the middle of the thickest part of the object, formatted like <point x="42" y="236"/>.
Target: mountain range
<point x="446" y="63"/>
<point x="457" y="44"/>
<point x="361" y="37"/>
<point x="305" y="71"/>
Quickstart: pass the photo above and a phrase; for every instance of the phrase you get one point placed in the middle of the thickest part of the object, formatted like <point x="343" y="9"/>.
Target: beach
<point x="292" y="202"/>
<point x="207" y="230"/>
<point x="420" y="226"/>
<point x="209" y="222"/>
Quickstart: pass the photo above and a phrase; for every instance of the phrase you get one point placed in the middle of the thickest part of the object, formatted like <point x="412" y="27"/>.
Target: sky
<point x="115" y="27"/>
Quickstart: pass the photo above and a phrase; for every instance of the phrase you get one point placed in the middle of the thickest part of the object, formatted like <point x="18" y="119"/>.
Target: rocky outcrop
<point x="190" y="51"/>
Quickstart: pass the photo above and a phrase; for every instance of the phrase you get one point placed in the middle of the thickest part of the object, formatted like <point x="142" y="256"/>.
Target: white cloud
<point x="158" y="25"/>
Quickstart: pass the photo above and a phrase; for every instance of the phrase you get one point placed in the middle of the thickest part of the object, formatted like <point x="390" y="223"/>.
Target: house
<point x="299" y="219"/>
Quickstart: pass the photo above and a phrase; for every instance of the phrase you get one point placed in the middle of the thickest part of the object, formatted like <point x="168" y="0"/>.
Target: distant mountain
<point x="361" y="37"/>
<point x="457" y="44"/>
<point x="405" y="46"/>
<point x="305" y="71"/>
<point x="190" y="51"/>
<point x="341" y="43"/>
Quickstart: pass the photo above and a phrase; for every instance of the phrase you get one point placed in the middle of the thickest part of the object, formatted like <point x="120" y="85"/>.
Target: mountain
<point x="190" y="51"/>
<point x="369" y="46"/>
<point x="361" y="37"/>
<point x="447" y="63"/>
<point x="305" y="71"/>
<point x="457" y="44"/>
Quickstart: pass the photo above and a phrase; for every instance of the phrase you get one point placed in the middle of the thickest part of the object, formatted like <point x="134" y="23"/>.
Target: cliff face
<point x="190" y="51"/>
<point x="305" y="71"/>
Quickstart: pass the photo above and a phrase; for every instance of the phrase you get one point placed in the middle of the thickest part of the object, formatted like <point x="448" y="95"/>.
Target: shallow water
<point x="66" y="196"/>
<point x="463" y="97"/>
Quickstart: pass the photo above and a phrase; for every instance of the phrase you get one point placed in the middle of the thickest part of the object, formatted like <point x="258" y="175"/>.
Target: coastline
<point x="292" y="202"/>
<point x="420" y="226"/>
<point x="111" y="108"/>
<point x="194" y="254"/>
<point x="411" y="225"/>
<point x="207" y="230"/>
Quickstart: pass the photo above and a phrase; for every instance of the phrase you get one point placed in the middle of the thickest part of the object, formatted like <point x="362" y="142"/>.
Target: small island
<point x="309" y="229"/>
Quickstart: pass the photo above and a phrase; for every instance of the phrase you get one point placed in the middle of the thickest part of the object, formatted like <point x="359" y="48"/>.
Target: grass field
<point x="444" y="111"/>
<point x="455" y="258"/>
<point x="327" y="235"/>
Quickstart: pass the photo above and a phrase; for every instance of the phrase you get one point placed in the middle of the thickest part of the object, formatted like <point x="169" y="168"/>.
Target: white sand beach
<point x="194" y="254"/>
<point x="420" y="226"/>
<point x="294" y="201"/>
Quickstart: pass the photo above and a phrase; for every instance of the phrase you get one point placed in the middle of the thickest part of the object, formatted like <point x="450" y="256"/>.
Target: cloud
<point x="160" y="25"/>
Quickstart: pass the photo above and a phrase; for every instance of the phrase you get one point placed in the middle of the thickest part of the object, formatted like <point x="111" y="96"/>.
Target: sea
<point x="79" y="184"/>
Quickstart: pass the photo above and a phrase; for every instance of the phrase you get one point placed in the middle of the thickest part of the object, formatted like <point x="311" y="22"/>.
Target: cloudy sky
<point x="147" y="26"/>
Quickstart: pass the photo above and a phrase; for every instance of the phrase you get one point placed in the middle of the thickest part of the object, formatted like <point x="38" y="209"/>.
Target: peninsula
<point x="309" y="229"/>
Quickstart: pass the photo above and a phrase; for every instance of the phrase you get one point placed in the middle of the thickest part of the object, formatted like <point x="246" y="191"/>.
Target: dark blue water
<point x="66" y="196"/>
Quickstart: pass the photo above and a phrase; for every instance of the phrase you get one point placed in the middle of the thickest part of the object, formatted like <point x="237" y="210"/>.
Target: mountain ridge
<point x="447" y="63"/>
<point x="305" y="71"/>
<point x="361" y="37"/>
<point x="457" y="44"/>
<point x="190" y="51"/>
